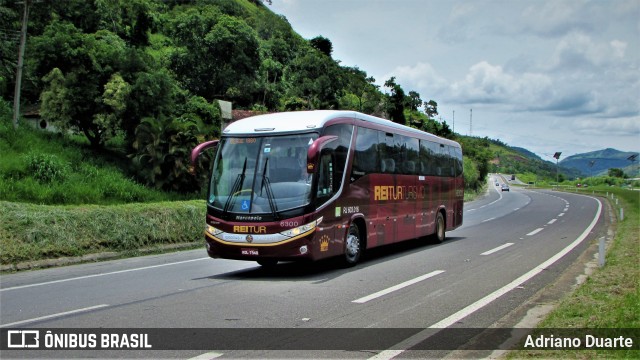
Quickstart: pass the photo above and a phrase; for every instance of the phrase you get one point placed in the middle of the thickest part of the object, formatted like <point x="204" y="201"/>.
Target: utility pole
<point x="23" y="42"/>
<point x="470" y="122"/>
<point x="454" y="121"/>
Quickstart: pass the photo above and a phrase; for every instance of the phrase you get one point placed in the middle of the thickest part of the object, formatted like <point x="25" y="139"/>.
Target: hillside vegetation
<point x="142" y="78"/>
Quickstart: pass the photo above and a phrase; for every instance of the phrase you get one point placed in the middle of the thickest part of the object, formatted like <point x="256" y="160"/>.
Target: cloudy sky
<point x="556" y="75"/>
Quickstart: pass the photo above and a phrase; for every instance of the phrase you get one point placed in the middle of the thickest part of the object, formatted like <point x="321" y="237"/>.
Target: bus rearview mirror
<point x="199" y="150"/>
<point x="314" y="151"/>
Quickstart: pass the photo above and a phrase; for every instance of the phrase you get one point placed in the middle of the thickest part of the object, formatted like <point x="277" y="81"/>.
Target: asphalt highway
<point x="511" y="246"/>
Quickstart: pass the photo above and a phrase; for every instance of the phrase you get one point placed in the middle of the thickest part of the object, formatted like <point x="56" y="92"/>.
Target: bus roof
<point x="294" y="121"/>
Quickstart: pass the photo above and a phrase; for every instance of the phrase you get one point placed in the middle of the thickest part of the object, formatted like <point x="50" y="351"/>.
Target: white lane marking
<point x="97" y="275"/>
<point x="497" y="249"/>
<point x="386" y="291"/>
<point x="386" y="355"/>
<point x="454" y="318"/>
<point x="55" y="315"/>
<point x="535" y="231"/>
<point x="207" y="356"/>
<point x="552" y="221"/>
<point x="493" y="218"/>
<point x="561" y="214"/>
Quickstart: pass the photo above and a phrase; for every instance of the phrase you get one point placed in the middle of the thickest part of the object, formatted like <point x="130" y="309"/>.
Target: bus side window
<point x="411" y="164"/>
<point x="366" y="159"/>
<point x="387" y="164"/>
<point x="458" y="160"/>
<point x="429" y="158"/>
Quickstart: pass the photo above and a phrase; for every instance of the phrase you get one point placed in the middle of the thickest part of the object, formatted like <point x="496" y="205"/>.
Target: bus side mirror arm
<point x="199" y="149"/>
<point x="314" y="151"/>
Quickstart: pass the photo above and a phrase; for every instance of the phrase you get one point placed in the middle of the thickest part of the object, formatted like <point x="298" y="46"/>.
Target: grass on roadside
<point x="610" y="297"/>
<point x="31" y="232"/>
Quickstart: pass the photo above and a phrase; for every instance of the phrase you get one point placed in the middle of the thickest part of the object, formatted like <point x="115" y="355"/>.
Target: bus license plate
<point x="253" y="252"/>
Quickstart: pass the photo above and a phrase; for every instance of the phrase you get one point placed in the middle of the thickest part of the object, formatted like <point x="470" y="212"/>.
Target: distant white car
<point x="505" y="187"/>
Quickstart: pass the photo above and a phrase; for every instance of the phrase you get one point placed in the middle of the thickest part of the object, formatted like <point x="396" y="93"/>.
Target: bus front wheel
<point x="438" y="236"/>
<point x="353" y="246"/>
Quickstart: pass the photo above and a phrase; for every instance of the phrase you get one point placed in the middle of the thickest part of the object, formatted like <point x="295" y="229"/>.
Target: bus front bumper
<point x="295" y="249"/>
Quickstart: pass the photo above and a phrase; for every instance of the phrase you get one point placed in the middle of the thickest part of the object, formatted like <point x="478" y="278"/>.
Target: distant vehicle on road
<point x="505" y="187"/>
<point x="497" y="183"/>
<point x="513" y="177"/>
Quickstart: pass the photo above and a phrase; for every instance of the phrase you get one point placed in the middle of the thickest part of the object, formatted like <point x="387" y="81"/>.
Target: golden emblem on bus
<point x="250" y="229"/>
<point x="324" y="243"/>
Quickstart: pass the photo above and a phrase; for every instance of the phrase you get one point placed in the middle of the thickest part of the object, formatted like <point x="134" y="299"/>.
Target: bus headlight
<point x="213" y="231"/>
<point x="300" y="229"/>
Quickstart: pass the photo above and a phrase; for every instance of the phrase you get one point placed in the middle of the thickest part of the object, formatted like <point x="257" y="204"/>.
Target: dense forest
<point x="148" y="73"/>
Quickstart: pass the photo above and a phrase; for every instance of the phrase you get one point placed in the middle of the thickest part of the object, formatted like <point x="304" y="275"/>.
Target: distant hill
<point x="526" y="153"/>
<point x="516" y="160"/>
<point x="600" y="161"/>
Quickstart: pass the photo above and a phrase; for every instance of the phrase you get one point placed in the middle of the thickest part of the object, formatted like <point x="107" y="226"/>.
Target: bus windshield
<point x="261" y="175"/>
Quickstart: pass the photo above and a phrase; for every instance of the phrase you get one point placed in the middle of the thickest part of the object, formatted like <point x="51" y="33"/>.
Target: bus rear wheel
<point x="439" y="236"/>
<point x="353" y="246"/>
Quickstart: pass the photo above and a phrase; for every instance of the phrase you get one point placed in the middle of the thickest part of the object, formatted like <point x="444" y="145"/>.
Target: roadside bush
<point x="46" y="168"/>
<point x="471" y="174"/>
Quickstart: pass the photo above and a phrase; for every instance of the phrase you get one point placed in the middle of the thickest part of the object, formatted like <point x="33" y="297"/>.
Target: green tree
<point x="130" y="19"/>
<point x="431" y="109"/>
<point x="322" y="44"/>
<point x="152" y="94"/>
<point x="360" y="92"/>
<point x="395" y="101"/>
<point x="85" y="63"/>
<point x="9" y="49"/>
<point x="219" y="57"/>
<point x="616" y="173"/>
<point x="314" y="78"/>
<point x="414" y="101"/>
<point x="163" y="147"/>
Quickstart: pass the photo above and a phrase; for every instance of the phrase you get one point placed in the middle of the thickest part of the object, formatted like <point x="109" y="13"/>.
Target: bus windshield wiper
<point x="237" y="185"/>
<point x="266" y="184"/>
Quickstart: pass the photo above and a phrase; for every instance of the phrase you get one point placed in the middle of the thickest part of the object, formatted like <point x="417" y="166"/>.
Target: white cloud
<point x="556" y="18"/>
<point x="421" y="77"/>
<point x="610" y="127"/>
<point x="619" y="48"/>
<point x="487" y="83"/>
<point x="577" y="52"/>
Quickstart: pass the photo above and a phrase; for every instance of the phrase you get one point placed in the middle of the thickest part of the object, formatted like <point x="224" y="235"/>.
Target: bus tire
<point x="267" y="263"/>
<point x="353" y="245"/>
<point x="439" y="236"/>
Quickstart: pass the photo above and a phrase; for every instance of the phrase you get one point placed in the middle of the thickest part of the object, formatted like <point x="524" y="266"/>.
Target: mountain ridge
<point x="600" y="161"/>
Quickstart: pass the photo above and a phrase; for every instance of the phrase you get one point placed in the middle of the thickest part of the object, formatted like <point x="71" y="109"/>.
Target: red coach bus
<point x="316" y="184"/>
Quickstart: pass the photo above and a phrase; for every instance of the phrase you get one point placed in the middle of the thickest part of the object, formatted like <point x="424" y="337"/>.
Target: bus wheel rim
<point x="353" y="246"/>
